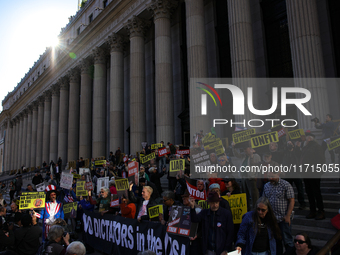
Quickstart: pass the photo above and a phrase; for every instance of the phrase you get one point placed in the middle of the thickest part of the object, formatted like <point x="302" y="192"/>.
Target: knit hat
<point x="214" y="186"/>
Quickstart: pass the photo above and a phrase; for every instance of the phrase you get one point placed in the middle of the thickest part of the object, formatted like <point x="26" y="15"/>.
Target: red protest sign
<point x="125" y="159"/>
<point x="162" y="152"/>
<point x="183" y="152"/>
<point x="114" y="203"/>
<point x="281" y="132"/>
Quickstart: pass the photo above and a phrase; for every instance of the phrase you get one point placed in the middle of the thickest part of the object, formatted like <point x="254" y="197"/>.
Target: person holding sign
<point x="103" y="201"/>
<point x="52" y="211"/>
<point x="217" y="226"/>
<point x="259" y="230"/>
<point x="127" y="208"/>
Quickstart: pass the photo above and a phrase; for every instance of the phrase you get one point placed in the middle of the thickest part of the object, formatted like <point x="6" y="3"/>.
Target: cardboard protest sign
<point x="133" y="175"/>
<point x="114" y="203"/>
<point x="156" y="146"/>
<point x="102" y="182"/>
<point x="182" y="152"/>
<point x="84" y="171"/>
<point x="264" y="139"/>
<point x="242" y="138"/>
<point x="144" y="144"/>
<point x="281" y="132"/>
<point x="76" y="176"/>
<point x="99" y="162"/>
<point x="30" y="200"/>
<point x="88" y="183"/>
<point x="204" y="204"/>
<point x="70" y="210"/>
<point x="176" y="166"/>
<point x="125" y="158"/>
<point x="80" y="189"/>
<point x="155" y="211"/>
<point x="147" y="158"/>
<point x="162" y="152"/>
<point x="296" y="134"/>
<point x="333" y="144"/>
<point x="180" y="222"/>
<point x="66" y="180"/>
<point x="196" y="189"/>
<point x="122" y="186"/>
<point x="238" y="206"/>
<point x="201" y="159"/>
<point x="40" y="187"/>
<point x="217" y="145"/>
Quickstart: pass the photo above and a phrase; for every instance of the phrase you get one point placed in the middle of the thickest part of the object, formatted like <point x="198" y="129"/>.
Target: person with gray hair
<point x="76" y="248"/>
<point x="55" y="237"/>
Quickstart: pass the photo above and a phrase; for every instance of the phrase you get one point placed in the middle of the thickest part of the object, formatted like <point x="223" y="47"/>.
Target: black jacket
<point x="139" y="203"/>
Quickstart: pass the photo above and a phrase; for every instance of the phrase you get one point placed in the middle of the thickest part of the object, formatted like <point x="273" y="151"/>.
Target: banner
<point x="84" y="171"/>
<point x="182" y="152"/>
<point x="147" y="158"/>
<point x="333" y="144"/>
<point x="238" y="206"/>
<point x="40" y="187"/>
<point x="118" y="235"/>
<point x="30" y="200"/>
<point x="243" y="136"/>
<point x="102" y="182"/>
<point x="70" y="210"/>
<point x="133" y="173"/>
<point x="180" y="222"/>
<point x="264" y="139"/>
<point x="66" y="180"/>
<point x="80" y="189"/>
<point x="176" y="166"/>
<point x="156" y="146"/>
<point x="162" y="152"/>
<point x="155" y="211"/>
<point x="196" y="189"/>
<point x="296" y="134"/>
<point x="99" y="162"/>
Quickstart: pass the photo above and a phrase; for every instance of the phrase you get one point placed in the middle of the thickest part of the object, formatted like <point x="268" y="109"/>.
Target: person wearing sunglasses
<point x="259" y="230"/>
<point x="302" y="245"/>
<point x="103" y="202"/>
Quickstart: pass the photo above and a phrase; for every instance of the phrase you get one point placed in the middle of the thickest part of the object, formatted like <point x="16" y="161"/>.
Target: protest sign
<point x="70" y="210"/>
<point x="155" y="211"/>
<point x="182" y="152"/>
<point x="30" y="200"/>
<point x="80" y="189"/>
<point x="40" y="187"/>
<point x="156" y="146"/>
<point x="102" y="182"/>
<point x="180" y="222"/>
<point x="84" y="171"/>
<point x="66" y="180"/>
<point x="296" y="134"/>
<point x="144" y="144"/>
<point x="281" y="132"/>
<point x="162" y="152"/>
<point x="76" y="176"/>
<point x="196" y="189"/>
<point x="241" y="138"/>
<point x="176" y="166"/>
<point x="122" y="184"/>
<point x="238" y="206"/>
<point x="264" y="139"/>
<point x="114" y="203"/>
<point x="333" y="144"/>
<point x="204" y="204"/>
<point x="99" y="162"/>
<point x="133" y="174"/>
<point x="147" y="158"/>
<point x="125" y="158"/>
<point x="217" y="145"/>
<point x="117" y="235"/>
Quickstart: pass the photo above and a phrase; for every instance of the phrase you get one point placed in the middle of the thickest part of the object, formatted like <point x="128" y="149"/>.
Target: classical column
<point x="307" y="57"/>
<point x="63" y="120"/>
<point x="20" y="148"/>
<point x="73" y="117"/>
<point x="40" y="130"/>
<point x="85" y="128"/>
<point x="14" y="144"/>
<point x="116" y="92"/>
<point x="8" y="138"/>
<point x="29" y="137"/>
<point x="136" y="28"/>
<point x="163" y="64"/>
<point x="54" y="123"/>
<point x="47" y="127"/>
<point x="24" y="139"/>
<point x="34" y="134"/>
<point x="99" y="104"/>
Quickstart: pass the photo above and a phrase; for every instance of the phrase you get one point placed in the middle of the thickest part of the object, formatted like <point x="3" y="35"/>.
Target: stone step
<point x="301" y="220"/>
<point x="314" y="232"/>
<point x="329" y="213"/>
<point x="327" y="203"/>
<point x="318" y="243"/>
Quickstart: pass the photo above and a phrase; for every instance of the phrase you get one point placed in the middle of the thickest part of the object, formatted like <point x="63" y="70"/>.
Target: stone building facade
<point x="120" y="75"/>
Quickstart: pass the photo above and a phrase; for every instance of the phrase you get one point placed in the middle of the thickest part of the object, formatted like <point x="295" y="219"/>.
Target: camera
<point x="316" y="120"/>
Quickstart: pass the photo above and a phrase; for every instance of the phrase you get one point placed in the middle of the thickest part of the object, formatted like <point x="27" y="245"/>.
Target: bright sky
<point x="27" y="28"/>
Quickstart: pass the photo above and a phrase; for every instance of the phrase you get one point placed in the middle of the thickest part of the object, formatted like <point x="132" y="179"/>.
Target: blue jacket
<point x="246" y="235"/>
<point x="224" y="229"/>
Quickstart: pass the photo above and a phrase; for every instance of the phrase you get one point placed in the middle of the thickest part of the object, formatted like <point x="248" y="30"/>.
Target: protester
<point x="143" y="182"/>
<point x="232" y="187"/>
<point x="259" y="230"/>
<point x="181" y="186"/>
<point x="215" y="187"/>
<point x="143" y="174"/>
<point x="13" y="211"/>
<point x="281" y="197"/>
<point x="18" y="184"/>
<point x="217" y="226"/>
<point x="103" y="202"/>
<point x="218" y="181"/>
<point x="52" y="211"/>
<point x="30" y="188"/>
<point x="3" y="214"/>
<point x="2" y="200"/>
<point x="118" y="154"/>
<point x="155" y="177"/>
<point x="112" y="185"/>
<point x="11" y="190"/>
<point x="7" y="238"/>
<point x="128" y="209"/>
<point x="76" y="248"/>
<point x="55" y="238"/>
<point x="328" y="128"/>
<point x="168" y="201"/>
<point x="302" y="246"/>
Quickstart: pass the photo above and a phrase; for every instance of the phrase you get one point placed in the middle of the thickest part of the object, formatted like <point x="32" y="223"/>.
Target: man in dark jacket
<point x="217" y="226"/>
<point x="168" y="201"/>
<point x="143" y="182"/>
<point x="155" y="177"/>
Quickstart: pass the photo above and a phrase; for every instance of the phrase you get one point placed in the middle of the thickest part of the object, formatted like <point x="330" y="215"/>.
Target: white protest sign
<point x="102" y="182"/>
<point x="66" y="180"/>
<point x="84" y="171"/>
<point x="40" y="187"/>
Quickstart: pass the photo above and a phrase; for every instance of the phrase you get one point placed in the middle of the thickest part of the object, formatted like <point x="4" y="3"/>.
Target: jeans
<point x="287" y="238"/>
<point x="162" y="164"/>
<point x="259" y="253"/>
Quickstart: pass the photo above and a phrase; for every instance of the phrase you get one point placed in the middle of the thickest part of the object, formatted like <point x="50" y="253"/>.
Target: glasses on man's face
<point x="299" y="241"/>
<point x="102" y="192"/>
<point x="261" y="210"/>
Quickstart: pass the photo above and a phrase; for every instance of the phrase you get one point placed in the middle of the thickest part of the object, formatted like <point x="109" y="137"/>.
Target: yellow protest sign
<point x="333" y="144"/>
<point x="243" y="136"/>
<point x="30" y="200"/>
<point x="80" y="189"/>
<point x="204" y="204"/>
<point x="76" y="176"/>
<point x="70" y="210"/>
<point x="295" y="134"/>
<point x="122" y="184"/>
<point x="147" y="158"/>
<point x="156" y="146"/>
<point x="155" y="211"/>
<point x="217" y="146"/>
<point x="238" y="206"/>
<point x="99" y="162"/>
<point x="177" y="165"/>
<point x="265" y="139"/>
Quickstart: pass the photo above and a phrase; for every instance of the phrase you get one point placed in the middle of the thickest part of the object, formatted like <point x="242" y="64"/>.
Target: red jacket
<point x="128" y="211"/>
<point x="220" y="182"/>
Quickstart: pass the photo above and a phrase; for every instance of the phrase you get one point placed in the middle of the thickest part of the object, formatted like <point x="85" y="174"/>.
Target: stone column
<point x="85" y="128"/>
<point x="8" y="138"/>
<point x="242" y="53"/>
<point x="54" y="123"/>
<point x="63" y="120"/>
<point x="99" y="104"/>
<point x="34" y="134"/>
<point x="307" y="57"/>
<point x="40" y="130"/>
<point x="47" y="127"/>
<point x="136" y="28"/>
<point x="29" y="137"/>
<point x="117" y="92"/>
<point x="14" y="144"/>
<point x="163" y="59"/>
<point x="24" y="138"/>
<point x="73" y="117"/>
<point x="20" y="148"/>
